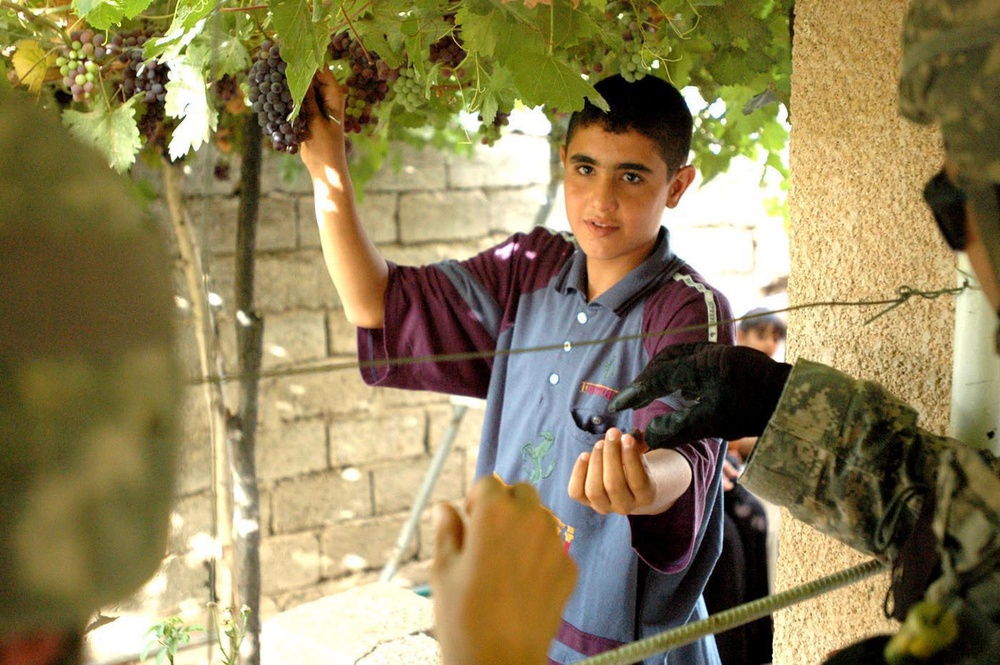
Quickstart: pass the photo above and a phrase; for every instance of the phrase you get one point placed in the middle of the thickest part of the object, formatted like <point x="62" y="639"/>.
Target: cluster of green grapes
<point x="407" y="91"/>
<point x="79" y="62"/>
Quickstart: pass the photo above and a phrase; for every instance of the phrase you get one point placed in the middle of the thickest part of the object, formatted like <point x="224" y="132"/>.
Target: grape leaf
<point x="30" y="64"/>
<point x="188" y="23"/>
<point x="114" y="133"/>
<point x="187" y="99"/>
<point x="102" y="14"/>
<point x="542" y="79"/>
<point x="303" y="44"/>
<point x="227" y="56"/>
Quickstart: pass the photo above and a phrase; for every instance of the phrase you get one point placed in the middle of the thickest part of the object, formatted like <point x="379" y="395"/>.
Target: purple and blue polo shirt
<point x="552" y="362"/>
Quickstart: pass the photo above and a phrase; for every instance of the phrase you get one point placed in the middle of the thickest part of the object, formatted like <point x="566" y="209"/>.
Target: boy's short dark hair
<point x="761" y="319"/>
<point x="650" y="106"/>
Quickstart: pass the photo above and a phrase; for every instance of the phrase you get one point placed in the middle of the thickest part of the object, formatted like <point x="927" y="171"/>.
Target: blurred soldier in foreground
<point x="88" y="389"/>
<point x="845" y="456"/>
<point x="842" y="454"/>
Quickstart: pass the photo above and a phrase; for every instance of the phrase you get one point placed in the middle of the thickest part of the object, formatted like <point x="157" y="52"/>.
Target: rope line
<point x="905" y="293"/>
<point x="736" y="616"/>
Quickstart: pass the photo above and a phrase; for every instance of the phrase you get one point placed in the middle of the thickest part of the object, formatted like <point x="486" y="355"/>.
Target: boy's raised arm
<point x="359" y="272"/>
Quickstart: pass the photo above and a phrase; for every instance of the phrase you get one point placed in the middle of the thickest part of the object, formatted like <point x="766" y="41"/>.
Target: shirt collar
<point x="660" y="265"/>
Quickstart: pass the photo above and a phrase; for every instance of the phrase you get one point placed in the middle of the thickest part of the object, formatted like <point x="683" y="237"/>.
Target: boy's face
<point x="617" y="186"/>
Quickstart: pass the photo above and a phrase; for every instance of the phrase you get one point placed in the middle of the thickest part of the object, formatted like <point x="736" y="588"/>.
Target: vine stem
<point x="33" y="17"/>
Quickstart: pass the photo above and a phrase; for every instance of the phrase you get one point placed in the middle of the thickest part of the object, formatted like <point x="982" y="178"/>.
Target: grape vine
<point x="409" y="70"/>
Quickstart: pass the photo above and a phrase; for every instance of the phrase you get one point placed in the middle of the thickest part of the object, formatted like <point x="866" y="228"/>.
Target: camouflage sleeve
<point x="844" y="456"/>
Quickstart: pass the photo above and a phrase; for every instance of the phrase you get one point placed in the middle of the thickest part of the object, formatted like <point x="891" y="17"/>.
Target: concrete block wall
<point x="339" y="463"/>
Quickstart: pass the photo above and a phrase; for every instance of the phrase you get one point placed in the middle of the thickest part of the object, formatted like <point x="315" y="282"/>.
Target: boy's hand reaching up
<point x="617" y="477"/>
<point x="323" y="107"/>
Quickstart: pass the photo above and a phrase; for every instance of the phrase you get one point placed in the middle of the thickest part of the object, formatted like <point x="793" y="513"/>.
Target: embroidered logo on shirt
<point x="535" y="454"/>
<point x="597" y="389"/>
<point x="609" y="368"/>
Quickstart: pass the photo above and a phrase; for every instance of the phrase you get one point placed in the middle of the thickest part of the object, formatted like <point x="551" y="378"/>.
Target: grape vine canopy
<point x="167" y="77"/>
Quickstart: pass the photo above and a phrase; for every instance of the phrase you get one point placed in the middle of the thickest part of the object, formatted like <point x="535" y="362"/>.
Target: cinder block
<point x="289" y="561"/>
<point x="293" y="281"/>
<point x="216" y="218"/>
<point x="427" y="253"/>
<point x="194" y="458"/>
<point x="324" y="498"/>
<point x="321" y="394"/>
<point x="182" y="583"/>
<point x="280" y="172"/>
<point x="392" y="434"/>
<point x="342" y="335"/>
<point x="294" y="337"/>
<point x="191" y="521"/>
<point x="397" y="483"/>
<point x="515" y="210"/>
<point x="408" y="169"/>
<point x="362" y="545"/>
<point x="515" y="160"/>
<point x="290" y="449"/>
<point x="377" y="211"/>
<point x="436" y="216"/>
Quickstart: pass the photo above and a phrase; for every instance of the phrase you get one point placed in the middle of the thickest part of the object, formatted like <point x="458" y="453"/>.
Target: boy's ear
<point x="562" y="154"/>
<point x="679" y="184"/>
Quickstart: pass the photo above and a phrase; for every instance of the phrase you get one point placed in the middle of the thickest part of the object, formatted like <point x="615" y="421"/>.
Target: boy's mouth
<point x="600" y="226"/>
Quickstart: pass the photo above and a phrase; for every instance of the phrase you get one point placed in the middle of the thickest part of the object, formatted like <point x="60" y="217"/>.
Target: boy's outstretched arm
<point x="359" y="272"/>
<point x="617" y="477"/>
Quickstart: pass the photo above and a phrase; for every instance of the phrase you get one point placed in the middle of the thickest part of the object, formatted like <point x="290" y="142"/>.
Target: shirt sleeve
<point x="838" y="451"/>
<point x="442" y="321"/>
<point x="693" y="312"/>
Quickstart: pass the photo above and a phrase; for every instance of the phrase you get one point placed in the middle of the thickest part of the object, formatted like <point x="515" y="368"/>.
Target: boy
<point x="643" y="529"/>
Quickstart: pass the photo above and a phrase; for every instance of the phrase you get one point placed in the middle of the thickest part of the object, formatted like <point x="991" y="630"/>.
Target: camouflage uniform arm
<point x="845" y="456"/>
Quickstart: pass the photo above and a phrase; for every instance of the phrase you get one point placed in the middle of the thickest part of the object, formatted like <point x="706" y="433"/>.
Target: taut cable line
<point x="905" y="293"/>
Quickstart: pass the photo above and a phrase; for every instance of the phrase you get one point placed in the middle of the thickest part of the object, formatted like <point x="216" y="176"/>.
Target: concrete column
<point x="859" y="231"/>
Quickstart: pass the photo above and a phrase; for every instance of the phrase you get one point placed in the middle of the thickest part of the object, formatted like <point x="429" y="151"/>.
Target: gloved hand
<point x="736" y="389"/>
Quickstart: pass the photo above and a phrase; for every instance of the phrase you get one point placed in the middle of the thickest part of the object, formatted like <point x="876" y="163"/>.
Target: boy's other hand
<point x="614" y="477"/>
<point x="323" y="107"/>
<point x="499" y="579"/>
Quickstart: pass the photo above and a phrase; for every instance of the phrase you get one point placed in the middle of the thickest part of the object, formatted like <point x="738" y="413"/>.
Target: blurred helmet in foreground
<point x="89" y="383"/>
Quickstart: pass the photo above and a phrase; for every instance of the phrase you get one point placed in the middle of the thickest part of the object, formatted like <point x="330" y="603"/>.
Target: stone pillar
<point x="859" y="231"/>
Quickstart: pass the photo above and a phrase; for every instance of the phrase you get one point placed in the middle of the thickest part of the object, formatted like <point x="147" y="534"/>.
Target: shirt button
<point x="553" y="378"/>
<point x="597" y="420"/>
<point x="582" y="317"/>
<point x="567" y="346"/>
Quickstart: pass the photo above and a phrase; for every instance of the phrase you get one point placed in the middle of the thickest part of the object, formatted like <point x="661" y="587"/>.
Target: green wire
<point x="736" y="616"/>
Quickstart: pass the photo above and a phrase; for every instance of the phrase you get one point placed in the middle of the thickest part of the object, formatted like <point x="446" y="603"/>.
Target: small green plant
<point x="170" y="634"/>
<point x="230" y="631"/>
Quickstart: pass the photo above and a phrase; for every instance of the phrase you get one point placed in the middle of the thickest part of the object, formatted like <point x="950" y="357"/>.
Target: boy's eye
<point x="584" y="169"/>
<point x="632" y="177"/>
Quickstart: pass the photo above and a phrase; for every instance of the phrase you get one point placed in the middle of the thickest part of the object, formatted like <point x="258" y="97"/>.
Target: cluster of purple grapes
<point x="272" y="100"/>
<point x="450" y="54"/>
<point x="489" y="133"/>
<point x="78" y="62"/>
<point x="368" y="83"/>
<point x="146" y="79"/>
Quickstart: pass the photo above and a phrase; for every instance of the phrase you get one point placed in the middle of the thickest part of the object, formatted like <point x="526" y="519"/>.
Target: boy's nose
<point x="605" y="197"/>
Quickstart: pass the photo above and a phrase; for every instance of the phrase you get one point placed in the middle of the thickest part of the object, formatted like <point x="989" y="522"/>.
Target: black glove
<point x="736" y="389"/>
